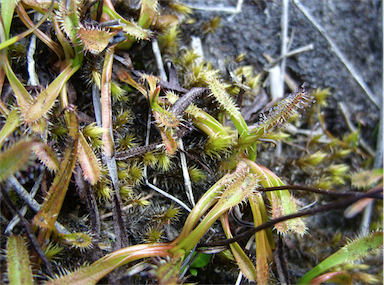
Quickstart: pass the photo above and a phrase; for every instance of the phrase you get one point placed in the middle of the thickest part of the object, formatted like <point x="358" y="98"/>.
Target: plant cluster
<point x="106" y="135"/>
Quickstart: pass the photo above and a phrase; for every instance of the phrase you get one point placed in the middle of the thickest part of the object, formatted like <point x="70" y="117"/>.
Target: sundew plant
<point x="126" y="158"/>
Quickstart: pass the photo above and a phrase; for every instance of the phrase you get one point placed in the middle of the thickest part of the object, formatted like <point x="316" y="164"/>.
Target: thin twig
<point x="15" y="220"/>
<point x="284" y="37"/>
<point x="310" y="189"/>
<point x="222" y="8"/>
<point x="23" y="194"/>
<point x="165" y="194"/>
<point x="308" y="47"/>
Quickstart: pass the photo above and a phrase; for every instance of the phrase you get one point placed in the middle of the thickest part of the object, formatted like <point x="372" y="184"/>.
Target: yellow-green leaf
<point x="47" y="97"/>
<point x="245" y="264"/>
<point x="18" y="263"/>
<point x="15" y="158"/>
<point x="12" y="122"/>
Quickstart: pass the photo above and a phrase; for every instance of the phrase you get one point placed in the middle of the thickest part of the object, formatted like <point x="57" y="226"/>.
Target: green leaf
<point x="354" y="250"/>
<point x="91" y="274"/>
<point x="47" y="97"/>
<point x="18" y="263"/>
<point x="7" y="9"/>
<point x="193" y="271"/>
<point x="12" y="122"/>
<point x="147" y="13"/>
<point x="219" y="92"/>
<point x="201" y="260"/>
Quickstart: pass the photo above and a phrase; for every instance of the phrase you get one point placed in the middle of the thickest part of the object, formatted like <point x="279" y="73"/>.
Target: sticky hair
<point x="286" y="108"/>
<point x="221" y="95"/>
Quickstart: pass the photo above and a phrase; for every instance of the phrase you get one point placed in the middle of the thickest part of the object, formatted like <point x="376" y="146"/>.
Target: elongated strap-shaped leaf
<point x="12" y="122"/>
<point x="47" y="97"/>
<point x="209" y="198"/>
<point x="7" y="9"/>
<point x="42" y="36"/>
<point x="262" y="245"/>
<point x="18" y="263"/>
<point x="106" y="109"/>
<point x="221" y="95"/>
<point x="354" y="250"/>
<point x="26" y="33"/>
<point x="234" y="194"/>
<point x="88" y="161"/>
<point x="245" y="264"/>
<point x="91" y="274"/>
<point x="50" y="209"/>
<point x="282" y="202"/>
<point x="14" y="158"/>
<point x="24" y="99"/>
